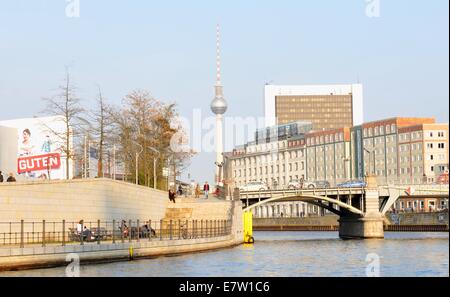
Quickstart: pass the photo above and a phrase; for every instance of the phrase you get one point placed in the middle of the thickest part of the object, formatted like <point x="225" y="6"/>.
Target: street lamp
<point x="137" y="162"/>
<point x="220" y="165"/>
<point x="346" y="159"/>
<point x="370" y="152"/>
<point x="154" y="165"/>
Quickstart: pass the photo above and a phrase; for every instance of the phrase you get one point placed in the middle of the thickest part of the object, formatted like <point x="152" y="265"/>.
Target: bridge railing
<point x="313" y="191"/>
<point x="42" y="233"/>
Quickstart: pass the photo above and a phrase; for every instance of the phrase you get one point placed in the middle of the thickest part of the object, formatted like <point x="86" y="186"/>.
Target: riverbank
<point x="54" y="255"/>
<point x="41" y="223"/>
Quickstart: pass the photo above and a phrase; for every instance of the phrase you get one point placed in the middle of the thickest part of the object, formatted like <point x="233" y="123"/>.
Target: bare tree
<point x="100" y="127"/>
<point x="66" y="105"/>
<point x="145" y="125"/>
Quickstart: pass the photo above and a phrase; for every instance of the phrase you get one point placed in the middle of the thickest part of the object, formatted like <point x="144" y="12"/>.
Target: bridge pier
<point x="369" y="225"/>
<point x="361" y="227"/>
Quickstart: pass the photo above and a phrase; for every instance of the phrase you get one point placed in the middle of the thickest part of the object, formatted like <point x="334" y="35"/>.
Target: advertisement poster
<point x="40" y="154"/>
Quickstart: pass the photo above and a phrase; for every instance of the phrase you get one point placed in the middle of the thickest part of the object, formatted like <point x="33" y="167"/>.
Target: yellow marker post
<point x="248" y="227"/>
<point x="131" y="252"/>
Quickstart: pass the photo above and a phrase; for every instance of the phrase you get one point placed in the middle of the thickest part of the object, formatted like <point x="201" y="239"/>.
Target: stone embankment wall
<point x="74" y="200"/>
<point x="430" y="218"/>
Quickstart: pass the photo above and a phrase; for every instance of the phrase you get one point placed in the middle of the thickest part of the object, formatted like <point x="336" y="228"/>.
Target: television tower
<point x="218" y="107"/>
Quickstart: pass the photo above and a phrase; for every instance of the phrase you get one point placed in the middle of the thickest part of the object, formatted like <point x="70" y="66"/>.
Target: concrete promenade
<point x="211" y="223"/>
<point x="15" y="258"/>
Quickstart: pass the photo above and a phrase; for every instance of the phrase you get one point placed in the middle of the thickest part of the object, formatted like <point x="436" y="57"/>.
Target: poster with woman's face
<point x="38" y="143"/>
<point x="26" y="146"/>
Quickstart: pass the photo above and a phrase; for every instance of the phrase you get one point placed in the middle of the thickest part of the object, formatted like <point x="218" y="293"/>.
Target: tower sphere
<point x="219" y="106"/>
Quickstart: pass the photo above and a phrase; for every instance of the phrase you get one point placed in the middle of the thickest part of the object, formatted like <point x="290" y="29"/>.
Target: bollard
<point x="63" y="232"/>
<point x="179" y="229"/>
<point x="187" y="229"/>
<point x="201" y="228"/>
<point x="170" y="230"/>
<point x="160" y="229"/>
<point x="21" y="234"/>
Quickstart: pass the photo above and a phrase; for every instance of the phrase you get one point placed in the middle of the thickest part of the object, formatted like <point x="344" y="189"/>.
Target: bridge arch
<point x="311" y="199"/>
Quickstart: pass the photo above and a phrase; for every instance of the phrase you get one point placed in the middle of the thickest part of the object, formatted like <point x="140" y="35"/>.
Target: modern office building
<point x="325" y="106"/>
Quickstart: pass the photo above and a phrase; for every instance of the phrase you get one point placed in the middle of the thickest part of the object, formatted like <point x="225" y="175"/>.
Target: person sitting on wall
<point x="148" y="230"/>
<point x="172" y="195"/>
<point x="217" y="192"/>
<point x="87" y="234"/>
<point x="11" y="178"/>
<point x="124" y="230"/>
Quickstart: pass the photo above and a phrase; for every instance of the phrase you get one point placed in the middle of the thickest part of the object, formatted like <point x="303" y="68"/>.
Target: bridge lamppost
<point x="219" y="178"/>
<point x="370" y="152"/>
<point x="346" y="159"/>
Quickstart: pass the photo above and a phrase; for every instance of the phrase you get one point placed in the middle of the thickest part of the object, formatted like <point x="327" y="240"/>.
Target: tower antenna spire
<point x="218" y="54"/>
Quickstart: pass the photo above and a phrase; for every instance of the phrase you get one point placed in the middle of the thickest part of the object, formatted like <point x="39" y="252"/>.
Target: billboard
<point x="40" y="151"/>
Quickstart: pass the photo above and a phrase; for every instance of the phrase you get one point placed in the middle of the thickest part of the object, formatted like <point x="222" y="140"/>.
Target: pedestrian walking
<point x="206" y="189"/>
<point x="197" y="191"/>
<point x="1" y="176"/>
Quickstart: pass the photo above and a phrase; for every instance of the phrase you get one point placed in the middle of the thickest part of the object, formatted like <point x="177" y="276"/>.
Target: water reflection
<point x="291" y="254"/>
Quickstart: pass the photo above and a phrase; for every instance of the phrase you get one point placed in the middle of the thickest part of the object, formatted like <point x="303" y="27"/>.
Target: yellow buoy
<point x="248" y="227"/>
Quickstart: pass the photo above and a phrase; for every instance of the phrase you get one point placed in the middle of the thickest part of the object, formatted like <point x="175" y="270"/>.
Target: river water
<point x="293" y="254"/>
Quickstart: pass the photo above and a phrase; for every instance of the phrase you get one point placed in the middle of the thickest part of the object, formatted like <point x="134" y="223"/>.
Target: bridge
<point x="361" y="210"/>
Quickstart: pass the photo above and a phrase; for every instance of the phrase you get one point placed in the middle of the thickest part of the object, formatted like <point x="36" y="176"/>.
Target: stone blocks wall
<point x="74" y="200"/>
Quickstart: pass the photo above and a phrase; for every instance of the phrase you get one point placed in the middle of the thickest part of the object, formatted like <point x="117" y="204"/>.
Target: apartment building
<point x="274" y="159"/>
<point x="395" y="150"/>
<point x="328" y="155"/>
<point x="423" y="153"/>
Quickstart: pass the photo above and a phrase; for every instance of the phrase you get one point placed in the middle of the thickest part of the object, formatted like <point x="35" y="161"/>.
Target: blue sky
<point x="168" y="48"/>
